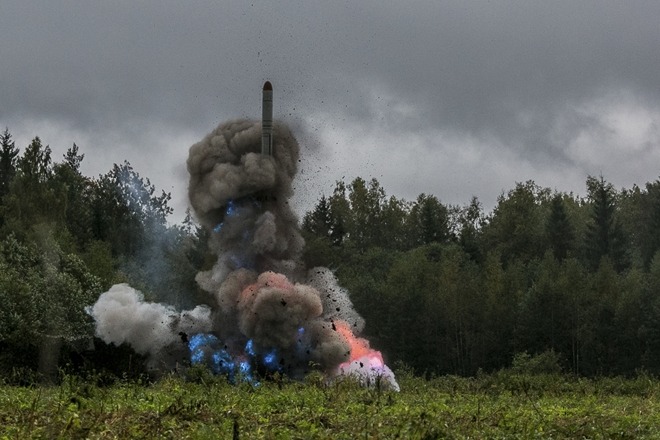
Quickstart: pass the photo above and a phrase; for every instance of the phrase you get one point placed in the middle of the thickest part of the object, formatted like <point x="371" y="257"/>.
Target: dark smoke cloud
<point x="243" y="195"/>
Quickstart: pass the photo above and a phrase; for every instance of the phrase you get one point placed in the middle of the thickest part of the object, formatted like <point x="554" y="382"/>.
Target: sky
<point x="456" y="98"/>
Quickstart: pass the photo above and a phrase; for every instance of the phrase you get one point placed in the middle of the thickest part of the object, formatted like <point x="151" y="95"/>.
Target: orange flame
<point x="359" y="346"/>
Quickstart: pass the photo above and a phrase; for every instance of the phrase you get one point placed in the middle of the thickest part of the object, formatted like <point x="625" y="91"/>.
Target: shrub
<point x="547" y="362"/>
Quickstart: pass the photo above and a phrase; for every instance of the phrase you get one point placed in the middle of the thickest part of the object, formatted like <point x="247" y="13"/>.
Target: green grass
<point x="503" y="406"/>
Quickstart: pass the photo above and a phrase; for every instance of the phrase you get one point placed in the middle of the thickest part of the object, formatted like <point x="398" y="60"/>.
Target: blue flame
<point x="245" y="373"/>
<point x="206" y="349"/>
<point x="230" y="211"/>
<point x="271" y="361"/>
<point x="249" y="348"/>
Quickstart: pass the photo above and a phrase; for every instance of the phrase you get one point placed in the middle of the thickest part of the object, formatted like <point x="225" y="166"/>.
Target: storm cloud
<point x="454" y="98"/>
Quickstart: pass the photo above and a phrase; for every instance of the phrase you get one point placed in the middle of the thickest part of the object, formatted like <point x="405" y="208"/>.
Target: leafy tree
<point x="359" y="216"/>
<point x="515" y="228"/>
<point x="412" y="327"/>
<point x="394" y="216"/>
<point x="340" y="214"/>
<point x="319" y="221"/>
<point x="366" y="210"/>
<point x="44" y="292"/>
<point x="126" y="211"/>
<point x="545" y="310"/>
<point x="463" y="314"/>
<point x="500" y="314"/>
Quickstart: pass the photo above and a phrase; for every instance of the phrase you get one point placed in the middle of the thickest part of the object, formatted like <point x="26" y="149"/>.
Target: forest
<point x="444" y="289"/>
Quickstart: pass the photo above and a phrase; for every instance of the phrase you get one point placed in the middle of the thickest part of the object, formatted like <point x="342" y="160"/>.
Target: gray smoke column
<point x="268" y="312"/>
<point x="243" y="195"/>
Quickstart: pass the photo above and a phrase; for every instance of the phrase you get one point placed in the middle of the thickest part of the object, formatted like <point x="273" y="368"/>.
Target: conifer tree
<point x="8" y="154"/>
<point x="559" y="230"/>
<point x="604" y="233"/>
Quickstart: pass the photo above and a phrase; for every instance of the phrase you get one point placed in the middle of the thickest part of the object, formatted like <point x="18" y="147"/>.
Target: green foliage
<point x="444" y="289"/>
<point x="460" y="291"/>
<point x="491" y="406"/>
<point x="44" y="293"/>
<point x="428" y="221"/>
<point x="8" y="161"/>
<point x="605" y="236"/>
<point x="515" y="229"/>
<point x="560" y="232"/>
<point x="547" y="362"/>
<point x="65" y="237"/>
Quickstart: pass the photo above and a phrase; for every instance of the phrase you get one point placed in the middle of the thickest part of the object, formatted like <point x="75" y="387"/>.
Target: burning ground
<point x="269" y="313"/>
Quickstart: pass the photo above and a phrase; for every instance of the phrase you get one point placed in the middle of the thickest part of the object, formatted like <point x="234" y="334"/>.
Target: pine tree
<point x="428" y="221"/>
<point x="8" y="161"/>
<point x="604" y="233"/>
<point x="559" y="229"/>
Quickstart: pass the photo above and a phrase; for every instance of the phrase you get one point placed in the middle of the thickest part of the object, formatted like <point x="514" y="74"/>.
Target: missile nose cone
<point x="268" y="86"/>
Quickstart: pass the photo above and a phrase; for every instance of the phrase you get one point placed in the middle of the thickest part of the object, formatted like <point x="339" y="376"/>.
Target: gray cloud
<point x="535" y="83"/>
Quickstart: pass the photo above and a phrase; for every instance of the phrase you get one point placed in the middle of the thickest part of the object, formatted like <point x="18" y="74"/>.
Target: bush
<point x="547" y="362"/>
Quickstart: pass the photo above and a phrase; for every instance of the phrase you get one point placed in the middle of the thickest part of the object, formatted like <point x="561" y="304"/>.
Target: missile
<point x="267" y="119"/>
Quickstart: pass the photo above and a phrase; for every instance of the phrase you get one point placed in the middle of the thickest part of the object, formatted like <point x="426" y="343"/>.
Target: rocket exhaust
<point x="267" y="119"/>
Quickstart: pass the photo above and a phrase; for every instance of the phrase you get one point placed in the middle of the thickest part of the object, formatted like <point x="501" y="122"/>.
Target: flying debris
<point x="267" y="119"/>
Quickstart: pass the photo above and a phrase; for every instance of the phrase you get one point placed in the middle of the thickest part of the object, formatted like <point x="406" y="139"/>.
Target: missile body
<point x="267" y="120"/>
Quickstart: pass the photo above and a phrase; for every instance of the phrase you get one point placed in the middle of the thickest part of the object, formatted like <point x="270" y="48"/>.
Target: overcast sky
<point x="450" y="97"/>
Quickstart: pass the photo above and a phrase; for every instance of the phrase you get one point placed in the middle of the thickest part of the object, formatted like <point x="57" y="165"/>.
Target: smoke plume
<point x="268" y="312"/>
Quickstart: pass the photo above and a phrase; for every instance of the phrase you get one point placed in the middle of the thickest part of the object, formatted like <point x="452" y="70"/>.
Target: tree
<point x="559" y="231"/>
<point x="500" y="307"/>
<point x="35" y="165"/>
<point x="394" y="216"/>
<point x="8" y="161"/>
<point x="469" y="223"/>
<point x="515" y="228"/>
<point x="545" y="311"/>
<point x="640" y="214"/>
<point x="44" y="292"/>
<point x="428" y="221"/>
<point x="126" y="210"/>
<point x="76" y="192"/>
<point x="32" y="197"/>
<point x="366" y="209"/>
<point x="340" y="214"/>
<point x="412" y="326"/>
<point x="319" y="221"/>
<point x="360" y="216"/>
<point x="604" y="235"/>
<point x="128" y="214"/>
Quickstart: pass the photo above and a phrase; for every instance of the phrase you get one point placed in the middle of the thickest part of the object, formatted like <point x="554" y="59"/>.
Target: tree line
<point x="65" y="238"/>
<point x="444" y="289"/>
<point x="452" y="289"/>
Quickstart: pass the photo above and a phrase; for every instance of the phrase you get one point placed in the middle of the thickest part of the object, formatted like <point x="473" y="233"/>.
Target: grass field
<point x="495" y="406"/>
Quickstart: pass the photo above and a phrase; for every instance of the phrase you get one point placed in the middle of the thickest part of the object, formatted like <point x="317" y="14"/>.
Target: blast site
<point x="268" y="312"/>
